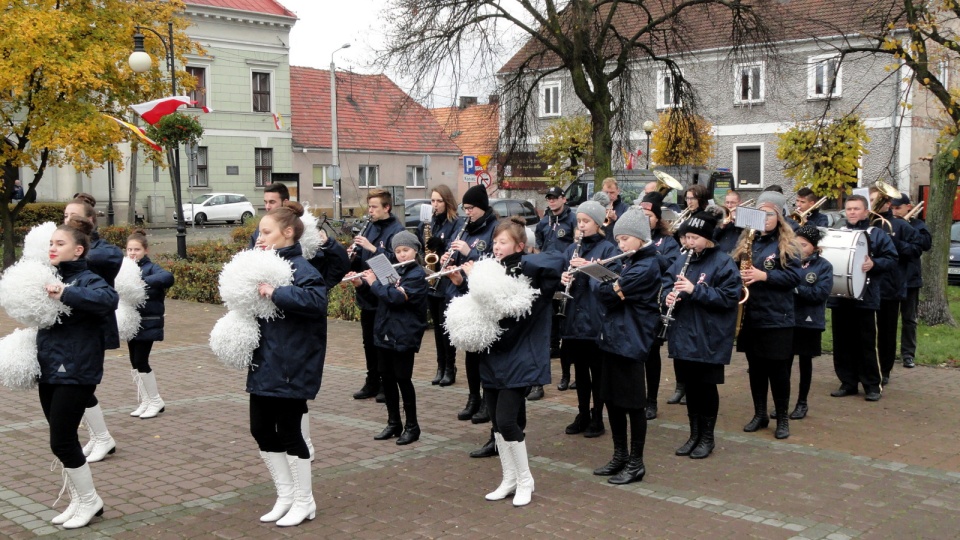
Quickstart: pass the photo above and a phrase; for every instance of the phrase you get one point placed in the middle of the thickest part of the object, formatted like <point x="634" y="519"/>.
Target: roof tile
<point x="269" y="7"/>
<point x="474" y="129"/>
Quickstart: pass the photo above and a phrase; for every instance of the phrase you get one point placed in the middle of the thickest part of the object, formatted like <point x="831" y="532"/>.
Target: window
<point x="416" y="176"/>
<point x="263" y="165"/>
<point x="943" y="72"/>
<point x="322" y="177"/>
<point x="750" y="84"/>
<point x="261" y="92"/>
<point x="550" y="99"/>
<point x="748" y="167"/>
<point x="369" y="176"/>
<point x="666" y="91"/>
<point x="203" y="174"/>
<point x="824" y="76"/>
<point x="198" y="94"/>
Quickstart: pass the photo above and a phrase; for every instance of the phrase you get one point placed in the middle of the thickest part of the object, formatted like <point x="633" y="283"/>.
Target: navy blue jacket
<point x="884" y="256"/>
<point x="401" y="314"/>
<point x="810" y="296"/>
<point x="817" y="219"/>
<point x="556" y="232"/>
<point x="288" y="363"/>
<point x="379" y="233"/>
<point x="521" y="357"/>
<point x="479" y="235"/>
<point x="332" y="262"/>
<point x="907" y="241"/>
<point x="151" y="314"/>
<point x="913" y="275"/>
<point x="727" y="237"/>
<point x="620" y="208"/>
<point x="666" y="246"/>
<point x="71" y="351"/>
<point x="629" y="324"/>
<point x="705" y="321"/>
<point x="104" y="259"/>
<point x="771" y="302"/>
<point x="442" y="232"/>
<point x="583" y="312"/>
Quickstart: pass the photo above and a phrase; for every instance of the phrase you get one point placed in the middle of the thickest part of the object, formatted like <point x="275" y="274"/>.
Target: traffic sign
<point x="484" y="179"/>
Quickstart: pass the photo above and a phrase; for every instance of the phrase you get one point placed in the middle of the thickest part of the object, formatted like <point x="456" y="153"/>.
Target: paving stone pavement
<point x="852" y="469"/>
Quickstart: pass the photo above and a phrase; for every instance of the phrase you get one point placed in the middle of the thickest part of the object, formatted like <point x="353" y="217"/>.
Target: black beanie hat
<point x="811" y="233"/>
<point x="702" y="224"/>
<point x="477" y="196"/>
<point x="653" y="201"/>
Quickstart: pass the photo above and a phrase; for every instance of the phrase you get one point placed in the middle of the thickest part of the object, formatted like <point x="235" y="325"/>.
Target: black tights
<point x="367" y="318"/>
<point x="140" y="355"/>
<point x="508" y="411"/>
<point x="396" y="370"/>
<point x="472" y="362"/>
<point x="638" y="426"/>
<point x="446" y="352"/>
<point x="653" y="367"/>
<point x="767" y="370"/>
<point x="588" y="365"/>
<point x="806" y="376"/>
<point x="275" y="424"/>
<point x="702" y="399"/>
<point x="63" y="405"/>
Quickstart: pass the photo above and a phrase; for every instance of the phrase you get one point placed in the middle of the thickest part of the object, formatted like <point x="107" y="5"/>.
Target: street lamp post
<point x="648" y="128"/>
<point x="140" y="62"/>
<point x="335" y="149"/>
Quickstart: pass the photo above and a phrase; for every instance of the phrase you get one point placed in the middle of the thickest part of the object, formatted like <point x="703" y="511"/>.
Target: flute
<point x="605" y="261"/>
<point x="356" y="275"/>
<point x="442" y="273"/>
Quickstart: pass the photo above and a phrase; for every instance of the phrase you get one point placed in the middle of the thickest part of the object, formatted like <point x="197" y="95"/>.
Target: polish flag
<point x="277" y="121"/>
<point x="153" y="111"/>
<point x="138" y="131"/>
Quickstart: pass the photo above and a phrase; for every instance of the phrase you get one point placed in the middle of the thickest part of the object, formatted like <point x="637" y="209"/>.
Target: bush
<point x="342" y="302"/>
<point x="195" y="281"/>
<point x="117" y="234"/>
<point x="242" y="234"/>
<point x="34" y="214"/>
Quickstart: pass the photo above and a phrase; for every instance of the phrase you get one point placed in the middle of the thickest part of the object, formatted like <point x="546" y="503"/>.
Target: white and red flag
<point x="153" y="111"/>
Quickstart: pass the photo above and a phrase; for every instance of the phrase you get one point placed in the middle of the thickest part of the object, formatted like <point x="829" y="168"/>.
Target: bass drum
<point x="846" y="251"/>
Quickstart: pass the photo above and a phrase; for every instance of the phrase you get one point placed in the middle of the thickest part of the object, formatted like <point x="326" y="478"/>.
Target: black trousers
<point x="63" y="406"/>
<point x="887" y="319"/>
<point x="806" y="376"/>
<point x="588" y="368"/>
<point x="472" y="361"/>
<point x="908" y="323"/>
<point x="396" y="370"/>
<point x="140" y="355"/>
<point x="508" y="411"/>
<point x="275" y="424"/>
<point x="703" y="399"/>
<point x="772" y="372"/>
<point x="855" y="347"/>
<point x="446" y="352"/>
<point x="367" y="317"/>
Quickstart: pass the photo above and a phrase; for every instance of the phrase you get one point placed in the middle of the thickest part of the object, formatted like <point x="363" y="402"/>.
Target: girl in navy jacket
<point x="70" y="354"/>
<point x="287" y="367"/>
<point x="700" y="336"/>
<point x="158" y="281"/>
<point x="768" y="317"/>
<point x="583" y="315"/>
<point x="397" y="332"/>
<point x="809" y="309"/>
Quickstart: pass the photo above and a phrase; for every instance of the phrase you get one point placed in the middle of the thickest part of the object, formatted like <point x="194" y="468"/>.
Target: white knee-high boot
<point x="279" y="469"/>
<point x="155" y="405"/>
<point x="90" y="504"/>
<point x="524" y="478"/>
<point x="305" y="431"/>
<point x="103" y="443"/>
<point x="509" y="483"/>
<point x="141" y="394"/>
<point x="74" y="501"/>
<point x="304" y="506"/>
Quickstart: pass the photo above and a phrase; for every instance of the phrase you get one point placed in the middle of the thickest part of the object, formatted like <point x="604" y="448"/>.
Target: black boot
<point x="470" y="409"/>
<point x="706" y="444"/>
<point x="579" y="425"/>
<point x="411" y="433"/>
<point x="783" y="424"/>
<point x="595" y="428"/>
<point x="369" y="390"/>
<point x="618" y="461"/>
<point x="694" y="436"/>
<point x="564" y="383"/>
<point x="800" y="411"/>
<point x="760" y="419"/>
<point x="651" y="411"/>
<point x="381" y="397"/>
<point x="449" y="375"/>
<point x="393" y="429"/>
<point x="679" y="393"/>
<point x="481" y="416"/>
<point x="489" y="448"/>
<point x="536" y="392"/>
<point x="634" y="471"/>
<point x="438" y="376"/>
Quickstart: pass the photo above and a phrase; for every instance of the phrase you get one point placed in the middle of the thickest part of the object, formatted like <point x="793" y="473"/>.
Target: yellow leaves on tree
<point x="567" y="147"/>
<point x="682" y="139"/>
<point x="824" y="156"/>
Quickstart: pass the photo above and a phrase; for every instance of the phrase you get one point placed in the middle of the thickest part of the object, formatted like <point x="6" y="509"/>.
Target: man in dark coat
<point x="914" y="279"/>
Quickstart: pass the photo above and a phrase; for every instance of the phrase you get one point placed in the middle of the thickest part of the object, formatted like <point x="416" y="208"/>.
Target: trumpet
<point x="685" y="215"/>
<point x="668" y="316"/>
<point x="356" y="275"/>
<point x="801" y="217"/>
<point x="915" y="211"/>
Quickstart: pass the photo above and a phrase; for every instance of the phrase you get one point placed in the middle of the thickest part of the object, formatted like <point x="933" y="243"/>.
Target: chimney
<point x="493" y="99"/>
<point x="466" y="101"/>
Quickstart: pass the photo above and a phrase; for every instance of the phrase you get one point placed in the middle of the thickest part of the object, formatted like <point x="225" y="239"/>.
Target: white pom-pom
<point x="241" y="277"/>
<point x="500" y="294"/>
<point x="23" y="296"/>
<point x="310" y="241"/>
<point x="470" y="327"/>
<point x="19" y="367"/>
<point x="130" y="285"/>
<point x="36" y="245"/>
<point x="128" y="321"/>
<point x="516" y="298"/>
<point x="234" y="338"/>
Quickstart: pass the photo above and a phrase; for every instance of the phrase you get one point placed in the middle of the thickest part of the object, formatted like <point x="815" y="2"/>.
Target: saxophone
<point x="746" y="263"/>
<point x="429" y="256"/>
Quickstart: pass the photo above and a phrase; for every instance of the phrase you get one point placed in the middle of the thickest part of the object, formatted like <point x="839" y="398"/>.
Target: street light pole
<point x="140" y="61"/>
<point x="335" y="148"/>
<point x="648" y="128"/>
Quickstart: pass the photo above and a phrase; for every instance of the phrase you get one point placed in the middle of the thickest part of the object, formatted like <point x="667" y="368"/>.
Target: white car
<point x="229" y="207"/>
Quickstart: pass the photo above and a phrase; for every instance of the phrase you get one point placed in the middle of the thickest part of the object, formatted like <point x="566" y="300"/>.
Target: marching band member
<point x="627" y="334"/>
<point x="805" y="199"/>
<point x="728" y="234"/>
<point x="705" y="296"/>
<point x="273" y="197"/>
<point x="854" y="322"/>
<point x="583" y="318"/>
<point x="555" y="232"/>
<point x="616" y="209"/>
<point x="908" y="307"/>
<point x="768" y="317"/>
<point x="443" y="226"/>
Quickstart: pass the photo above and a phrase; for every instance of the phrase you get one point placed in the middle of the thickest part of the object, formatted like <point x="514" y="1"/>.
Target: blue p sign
<point x="469" y="165"/>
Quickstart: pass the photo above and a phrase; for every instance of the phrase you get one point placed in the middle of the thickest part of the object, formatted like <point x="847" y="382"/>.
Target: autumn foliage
<point x="682" y="139"/>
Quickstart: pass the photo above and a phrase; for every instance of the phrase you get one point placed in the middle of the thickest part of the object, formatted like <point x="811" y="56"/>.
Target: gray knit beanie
<point x="405" y="238"/>
<point x="633" y="222"/>
<point x="594" y="211"/>
<point x="774" y="198"/>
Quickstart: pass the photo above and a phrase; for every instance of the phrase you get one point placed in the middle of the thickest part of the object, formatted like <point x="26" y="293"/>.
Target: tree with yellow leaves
<point x="680" y="138"/>
<point x="62" y="64"/>
<point x="566" y="147"/>
<point x="824" y="155"/>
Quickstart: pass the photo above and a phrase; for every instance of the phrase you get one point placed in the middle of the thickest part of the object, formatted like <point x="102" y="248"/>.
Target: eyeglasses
<point x="467" y="207"/>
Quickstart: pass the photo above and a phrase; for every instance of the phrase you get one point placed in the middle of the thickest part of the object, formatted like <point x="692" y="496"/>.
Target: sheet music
<point x="751" y="218"/>
<point x="599" y="272"/>
<point x="426" y="212"/>
<point x="383" y="269"/>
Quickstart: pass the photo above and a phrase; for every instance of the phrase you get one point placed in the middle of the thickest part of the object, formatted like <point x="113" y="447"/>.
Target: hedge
<point x="34" y="214"/>
<point x="117" y="234"/>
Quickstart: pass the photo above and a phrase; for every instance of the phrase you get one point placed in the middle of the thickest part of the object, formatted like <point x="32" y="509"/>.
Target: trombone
<point x="801" y="217"/>
<point x="356" y="275"/>
<point x="915" y="211"/>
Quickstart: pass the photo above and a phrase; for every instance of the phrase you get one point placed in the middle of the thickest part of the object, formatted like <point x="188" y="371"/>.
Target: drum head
<point x="859" y="254"/>
<point x="846" y="251"/>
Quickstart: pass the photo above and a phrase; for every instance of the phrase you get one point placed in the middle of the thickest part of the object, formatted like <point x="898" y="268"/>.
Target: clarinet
<point x="669" y="315"/>
<point x="565" y="295"/>
<point x="450" y="253"/>
<point x="354" y="249"/>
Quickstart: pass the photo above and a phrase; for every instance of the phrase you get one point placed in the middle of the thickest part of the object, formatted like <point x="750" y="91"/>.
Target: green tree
<point x="824" y="155"/>
<point x="566" y="148"/>
<point x="62" y="64"/>
<point x="682" y="139"/>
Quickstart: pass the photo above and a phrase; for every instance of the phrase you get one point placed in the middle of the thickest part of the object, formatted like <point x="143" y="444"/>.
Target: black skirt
<point x="806" y="341"/>
<point x="690" y="372"/>
<point x="623" y="382"/>
<point x="772" y="343"/>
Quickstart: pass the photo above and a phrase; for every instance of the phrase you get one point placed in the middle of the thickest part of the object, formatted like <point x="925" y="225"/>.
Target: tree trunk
<point x="934" y="308"/>
<point x="602" y="143"/>
<point x="6" y="221"/>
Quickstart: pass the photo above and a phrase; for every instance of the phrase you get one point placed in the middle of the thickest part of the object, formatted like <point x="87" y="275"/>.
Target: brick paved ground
<point x="851" y="469"/>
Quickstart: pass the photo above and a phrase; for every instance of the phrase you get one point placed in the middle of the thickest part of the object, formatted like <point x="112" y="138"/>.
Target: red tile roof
<point x="269" y="7"/>
<point x="373" y="113"/>
<point x="474" y="129"/>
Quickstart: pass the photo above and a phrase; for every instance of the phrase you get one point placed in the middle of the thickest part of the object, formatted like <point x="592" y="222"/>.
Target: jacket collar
<point x="555" y="218"/>
<point x="143" y="260"/>
<point x="69" y="269"/>
<point x="290" y="252"/>
<point x="475" y="226"/>
<point x="512" y="263"/>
